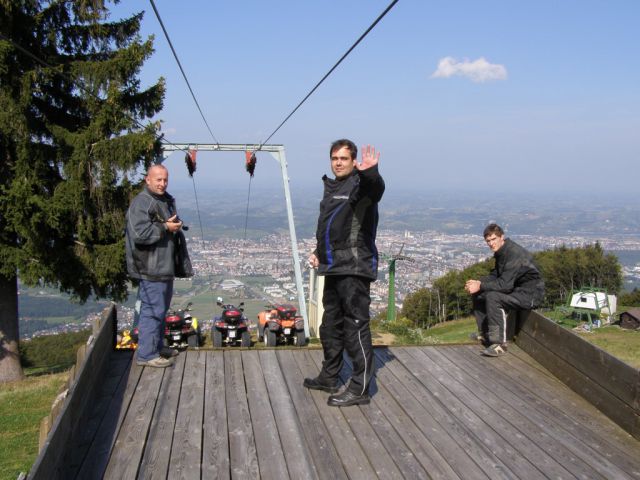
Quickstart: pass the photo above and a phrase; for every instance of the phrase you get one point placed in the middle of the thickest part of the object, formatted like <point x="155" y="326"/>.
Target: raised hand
<point x="369" y="158"/>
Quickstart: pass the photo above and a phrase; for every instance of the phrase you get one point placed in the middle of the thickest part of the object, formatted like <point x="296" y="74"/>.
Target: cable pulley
<point x="190" y="160"/>
<point x="250" y="162"/>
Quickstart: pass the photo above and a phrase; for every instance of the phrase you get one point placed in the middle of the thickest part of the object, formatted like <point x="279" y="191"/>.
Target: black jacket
<point x="150" y="246"/>
<point x="516" y="273"/>
<point x="347" y="224"/>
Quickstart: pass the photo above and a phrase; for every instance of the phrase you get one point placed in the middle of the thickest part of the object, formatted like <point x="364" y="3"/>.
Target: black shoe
<point x="495" y="350"/>
<point x="347" y="398"/>
<point x="315" y="384"/>
<point x="168" y="352"/>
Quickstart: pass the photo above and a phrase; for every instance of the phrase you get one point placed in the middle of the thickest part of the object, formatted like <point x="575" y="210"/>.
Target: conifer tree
<point x="71" y="144"/>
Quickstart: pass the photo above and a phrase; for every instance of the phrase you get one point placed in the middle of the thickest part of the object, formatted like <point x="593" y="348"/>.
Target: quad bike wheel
<point x="245" y="339"/>
<point x="269" y="338"/>
<point x="217" y="338"/>
<point x="260" y="334"/>
<point x="301" y="339"/>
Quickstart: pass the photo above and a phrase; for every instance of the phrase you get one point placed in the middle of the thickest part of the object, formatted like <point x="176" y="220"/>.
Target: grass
<point x="23" y="405"/>
<point x="621" y="343"/>
<point x="452" y="332"/>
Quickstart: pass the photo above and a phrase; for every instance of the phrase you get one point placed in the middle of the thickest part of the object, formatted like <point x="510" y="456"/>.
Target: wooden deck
<point x="436" y="412"/>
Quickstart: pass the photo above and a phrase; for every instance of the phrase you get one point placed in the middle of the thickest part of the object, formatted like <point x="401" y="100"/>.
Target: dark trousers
<point x="491" y="310"/>
<point x="155" y="298"/>
<point x="345" y="326"/>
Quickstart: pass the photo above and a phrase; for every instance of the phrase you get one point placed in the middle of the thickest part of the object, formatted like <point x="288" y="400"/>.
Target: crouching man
<point x="514" y="284"/>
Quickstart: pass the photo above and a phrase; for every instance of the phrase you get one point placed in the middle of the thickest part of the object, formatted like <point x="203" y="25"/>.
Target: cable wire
<point x="386" y="10"/>
<point x="184" y="75"/>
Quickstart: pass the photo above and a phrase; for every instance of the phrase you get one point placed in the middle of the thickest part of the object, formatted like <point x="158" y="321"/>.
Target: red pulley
<point x="190" y="160"/>
<point x="250" y="162"/>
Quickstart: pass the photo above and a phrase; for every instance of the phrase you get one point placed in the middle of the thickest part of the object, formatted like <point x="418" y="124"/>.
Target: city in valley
<point x="426" y="256"/>
<point x="255" y="266"/>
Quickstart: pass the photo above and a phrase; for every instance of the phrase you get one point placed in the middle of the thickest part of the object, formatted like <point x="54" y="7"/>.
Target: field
<point x="23" y="405"/>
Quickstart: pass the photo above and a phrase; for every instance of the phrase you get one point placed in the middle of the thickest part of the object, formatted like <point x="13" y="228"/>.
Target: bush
<point x="52" y="351"/>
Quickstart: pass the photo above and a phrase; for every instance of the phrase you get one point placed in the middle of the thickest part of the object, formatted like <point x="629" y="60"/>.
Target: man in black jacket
<point x="152" y="224"/>
<point x="346" y="255"/>
<point x="514" y="283"/>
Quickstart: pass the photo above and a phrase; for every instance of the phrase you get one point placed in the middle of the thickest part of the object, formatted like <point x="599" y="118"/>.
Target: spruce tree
<point x="72" y="143"/>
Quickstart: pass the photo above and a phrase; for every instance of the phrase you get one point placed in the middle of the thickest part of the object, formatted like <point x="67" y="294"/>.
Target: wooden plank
<point x="157" y="452"/>
<point x="379" y="458"/>
<point x="433" y="396"/>
<point x="466" y="457"/>
<point x="592" y="440"/>
<point x="268" y="445"/>
<point x="354" y="460"/>
<point x="510" y="428"/>
<point x="299" y="462"/>
<point x="431" y="459"/>
<point x="609" y="372"/>
<point x="609" y="404"/>
<point x="242" y="447"/>
<point x="97" y="457"/>
<point x="523" y="415"/>
<point x="185" y="457"/>
<point x="390" y="438"/>
<point x="489" y="428"/>
<point x="586" y="415"/>
<point x="215" y="444"/>
<point x="325" y="457"/>
<point x="129" y="445"/>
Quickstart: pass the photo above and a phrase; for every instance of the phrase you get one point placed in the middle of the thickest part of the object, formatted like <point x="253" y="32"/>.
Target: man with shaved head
<point x="152" y="224"/>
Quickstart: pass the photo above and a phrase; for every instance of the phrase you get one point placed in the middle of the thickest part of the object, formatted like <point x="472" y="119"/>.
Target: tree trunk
<point x="10" y="368"/>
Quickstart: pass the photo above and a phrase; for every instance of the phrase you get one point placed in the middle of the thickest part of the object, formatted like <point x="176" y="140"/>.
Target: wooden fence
<point x="67" y="413"/>
<point x="608" y="383"/>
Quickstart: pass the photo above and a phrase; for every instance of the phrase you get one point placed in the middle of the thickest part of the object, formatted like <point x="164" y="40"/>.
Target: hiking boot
<point x="168" y="352"/>
<point x="495" y="350"/>
<point x="157" y="362"/>
<point x="316" y="384"/>
<point x="348" y="398"/>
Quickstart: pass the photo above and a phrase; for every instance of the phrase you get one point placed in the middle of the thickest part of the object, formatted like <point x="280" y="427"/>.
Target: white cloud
<point x="477" y="71"/>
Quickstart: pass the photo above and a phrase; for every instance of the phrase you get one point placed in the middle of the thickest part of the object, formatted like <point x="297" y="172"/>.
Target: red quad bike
<point x="281" y="324"/>
<point x="231" y="326"/>
<point x="181" y="329"/>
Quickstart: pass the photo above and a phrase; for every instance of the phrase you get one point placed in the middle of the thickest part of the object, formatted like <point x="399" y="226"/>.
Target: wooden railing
<point x="608" y="383"/>
<point x="66" y="417"/>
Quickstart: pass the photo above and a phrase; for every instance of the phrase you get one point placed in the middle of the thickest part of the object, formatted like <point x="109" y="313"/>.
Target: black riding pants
<point x="345" y="326"/>
<point x="491" y="310"/>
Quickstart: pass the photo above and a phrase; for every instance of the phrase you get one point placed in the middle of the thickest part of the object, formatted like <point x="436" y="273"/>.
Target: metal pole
<point x="279" y="155"/>
<point x="277" y="151"/>
<point x="391" y="302"/>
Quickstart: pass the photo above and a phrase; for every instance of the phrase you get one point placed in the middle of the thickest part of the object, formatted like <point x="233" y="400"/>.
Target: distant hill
<point x="223" y="212"/>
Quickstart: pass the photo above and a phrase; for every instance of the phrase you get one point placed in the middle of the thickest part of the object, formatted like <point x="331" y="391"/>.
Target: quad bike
<point x="181" y="329"/>
<point x="281" y="324"/>
<point x="231" y="326"/>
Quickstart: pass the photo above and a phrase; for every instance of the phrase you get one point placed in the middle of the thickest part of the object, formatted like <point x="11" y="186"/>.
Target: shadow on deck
<point x="436" y="412"/>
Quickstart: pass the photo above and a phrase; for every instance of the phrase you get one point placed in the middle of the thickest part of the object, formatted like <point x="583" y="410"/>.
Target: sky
<point x="459" y="96"/>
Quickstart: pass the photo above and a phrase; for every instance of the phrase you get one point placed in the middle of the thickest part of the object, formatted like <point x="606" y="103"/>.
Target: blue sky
<point x="535" y="96"/>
